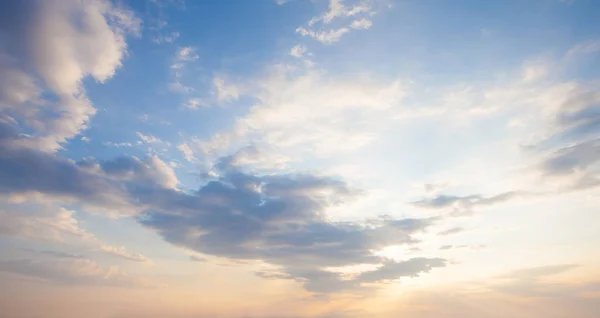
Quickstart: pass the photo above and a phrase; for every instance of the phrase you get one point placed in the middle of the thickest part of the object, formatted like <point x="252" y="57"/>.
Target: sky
<point x="299" y="158"/>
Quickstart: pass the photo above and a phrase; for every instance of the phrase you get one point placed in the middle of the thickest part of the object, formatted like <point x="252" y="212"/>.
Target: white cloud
<point x="47" y="224"/>
<point x="117" y="144"/>
<point x="186" y="53"/>
<point x="73" y="271"/>
<point x="534" y="71"/>
<point x="166" y="38"/>
<point x="163" y="173"/>
<point x="361" y="24"/>
<point x="311" y="112"/>
<point x="584" y="48"/>
<point x="194" y="103"/>
<point x="325" y="37"/>
<point x="188" y="153"/>
<point x="63" y="52"/>
<point x="338" y="10"/>
<point x="149" y="139"/>
<point x="178" y="87"/>
<point x="54" y="224"/>
<point x="121" y="252"/>
<point x="183" y="57"/>
<point x="226" y="92"/>
<point x="298" y="51"/>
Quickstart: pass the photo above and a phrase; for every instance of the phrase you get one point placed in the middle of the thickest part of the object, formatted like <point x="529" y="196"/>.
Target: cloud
<point x="298" y="51"/>
<point x="186" y="53"/>
<point x="117" y="144"/>
<point x="325" y="37"/>
<point x="338" y="10"/>
<point x="123" y="253"/>
<point x="183" y="57"/>
<point x="94" y="184"/>
<point x="226" y="92"/>
<point x="466" y="203"/>
<point x="194" y="103"/>
<point x="590" y="47"/>
<point x="166" y="38"/>
<point x="73" y="271"/>
<point x="45" y="224"/>
<point x="294" y="113"/>
<point x="451" y="231"/>
<point x="92" y="45"/>
<point x="361" y="24"/>
<point x="534" y="273"/>
<point x="195" y="258"/>
<point x="187" y="151"/>
<point x="280" y="220"/>
<point x="54" y="224"/>
<point x="54" y="254"/>
<point x="149" y="139"/>
<point x="393" y="270"/>
<point x="574" y="141"/>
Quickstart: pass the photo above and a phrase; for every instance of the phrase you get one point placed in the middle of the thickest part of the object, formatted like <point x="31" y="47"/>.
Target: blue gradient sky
<point x="315" y="159"/>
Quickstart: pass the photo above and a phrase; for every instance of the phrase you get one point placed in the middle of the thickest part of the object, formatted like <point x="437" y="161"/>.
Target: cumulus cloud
<point x="52" y="53"/>
<point x="92" y="183"/>
<point x="280" y="220"/>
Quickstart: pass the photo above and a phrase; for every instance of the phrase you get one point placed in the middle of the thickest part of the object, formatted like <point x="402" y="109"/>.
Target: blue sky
<point x="339" y="158"/>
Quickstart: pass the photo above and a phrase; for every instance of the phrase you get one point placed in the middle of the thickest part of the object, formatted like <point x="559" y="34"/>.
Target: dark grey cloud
<point x="118" y="185"/>
<point x="279" y="218"/>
